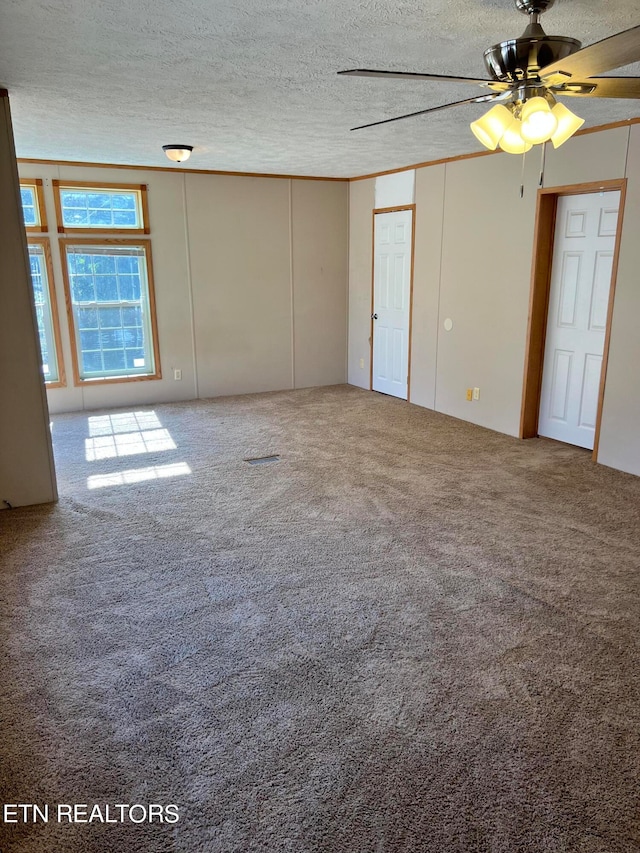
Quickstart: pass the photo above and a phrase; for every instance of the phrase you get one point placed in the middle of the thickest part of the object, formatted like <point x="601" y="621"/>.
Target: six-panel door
<point x="581" y="271"/>
<point x="391" y="302"/>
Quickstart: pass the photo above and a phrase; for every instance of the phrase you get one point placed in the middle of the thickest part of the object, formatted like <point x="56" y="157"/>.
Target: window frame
<point x="153" y="325"/>
<point x="36" y="184"/>
<point x="107" y="187"/>
<point x="61" y="381"/>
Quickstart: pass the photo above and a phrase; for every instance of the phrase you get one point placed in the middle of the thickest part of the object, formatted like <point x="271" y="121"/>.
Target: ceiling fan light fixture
<point x="178" y="153"/>
<point x="512" y="141"/>
<point x="568" y="123"/>
<point x="539" y="123"/>
<point x="490" y="127"/>
<point x="524" y="75"/>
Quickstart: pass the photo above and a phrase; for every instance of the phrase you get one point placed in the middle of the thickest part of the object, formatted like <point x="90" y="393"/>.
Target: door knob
<point x="374" y="316"/>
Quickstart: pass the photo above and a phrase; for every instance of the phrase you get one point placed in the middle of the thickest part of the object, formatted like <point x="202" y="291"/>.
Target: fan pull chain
<point x="522" y="176"/>
<point x="542" y="164"/>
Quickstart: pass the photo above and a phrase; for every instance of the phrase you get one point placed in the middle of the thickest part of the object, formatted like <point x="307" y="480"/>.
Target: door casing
<point x="539" y="300"/>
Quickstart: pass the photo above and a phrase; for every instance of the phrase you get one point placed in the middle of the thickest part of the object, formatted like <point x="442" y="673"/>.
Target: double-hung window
<point x="109" y="290"/>
<point x="44" y="295"/>
<point x="46" y="310"/>
<point x="108" y="280"/>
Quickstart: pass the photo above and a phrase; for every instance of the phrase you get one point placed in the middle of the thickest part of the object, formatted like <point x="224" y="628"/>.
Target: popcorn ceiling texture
<point x="253" y="86"/>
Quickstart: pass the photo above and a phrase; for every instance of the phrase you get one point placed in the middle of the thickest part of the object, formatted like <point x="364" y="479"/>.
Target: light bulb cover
<point x="489" y="128"/>
<point x="538" y="121"/>
<point x="512" y="141"/>
<point x="178" y="153"/>
<point x="568" y="123"/>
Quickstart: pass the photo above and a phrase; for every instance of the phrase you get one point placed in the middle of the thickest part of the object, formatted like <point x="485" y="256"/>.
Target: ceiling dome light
<point x="490" y="127"/>
<point x="568" y="123"/>
<point x="512" y="141"/>
<point x="538" y="122"/>
<point x="178" y="153"/>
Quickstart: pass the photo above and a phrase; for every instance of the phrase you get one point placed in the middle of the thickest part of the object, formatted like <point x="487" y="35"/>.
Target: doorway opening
<point x="572" y="294"/>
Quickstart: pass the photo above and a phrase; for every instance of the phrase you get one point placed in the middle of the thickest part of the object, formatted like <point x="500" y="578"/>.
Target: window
<point x="33" y="209"/>
<point x="109" y="290"/>
<point x="46" y="311"/>
<point x="112" y="208"/>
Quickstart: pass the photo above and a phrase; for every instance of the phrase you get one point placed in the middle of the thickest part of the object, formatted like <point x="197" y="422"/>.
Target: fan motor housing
<point x="533" y="7"/>
<point x="522" y="58"/>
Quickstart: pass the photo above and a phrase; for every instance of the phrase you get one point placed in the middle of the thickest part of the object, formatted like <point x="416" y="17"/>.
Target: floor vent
<point x="262" y="460"/>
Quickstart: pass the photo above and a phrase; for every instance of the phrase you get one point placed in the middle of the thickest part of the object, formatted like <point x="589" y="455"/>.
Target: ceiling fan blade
<point x="479" y="100"/>
<point x="412" y="75"/>
<point x="612" y="52"/>
<point x="603" y="87"/>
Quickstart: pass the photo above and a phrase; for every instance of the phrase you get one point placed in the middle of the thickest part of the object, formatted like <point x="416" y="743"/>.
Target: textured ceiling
<point x="253" y="85"/>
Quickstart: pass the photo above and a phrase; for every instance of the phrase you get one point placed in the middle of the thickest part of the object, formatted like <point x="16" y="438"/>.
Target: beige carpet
<point x="408" y="634"/>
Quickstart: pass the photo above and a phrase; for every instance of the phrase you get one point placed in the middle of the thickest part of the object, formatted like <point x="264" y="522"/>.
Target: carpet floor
<point x="407" y="633"/>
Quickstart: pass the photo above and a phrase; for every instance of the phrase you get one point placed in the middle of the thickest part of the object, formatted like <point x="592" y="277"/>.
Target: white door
<point x="581" y="270"/>
<point x="391" y="302"/>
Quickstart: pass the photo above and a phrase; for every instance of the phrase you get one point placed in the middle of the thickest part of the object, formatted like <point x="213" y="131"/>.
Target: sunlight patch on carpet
<point x="138" y="475"/>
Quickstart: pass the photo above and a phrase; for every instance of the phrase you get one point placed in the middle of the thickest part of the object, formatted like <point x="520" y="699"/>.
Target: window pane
<point x="124" y="218"/>
<point x="37" y="278"/>
<point x="135" y="358"/>
<point x="110" y="300"/>
<point x="92" y="362"/>
<point x="89" y="339"/>
<point x="110" y="318"/>
<point x="87" y="318"/>
<point x="107" y="288"/>
<point x="83" y="288"/>
<point x="102" y="264"/>
<point x="97" y="217"/>
<point x="29" y="207"/>
<point x="44" y="316"/>
<point x="132" y="316"/>
<point x="127" y="264"/>
<point x="130" y="288"/>
<point x="100" y="209"/>
<point x="111" y="338"/>
<point x="124" y="201"/>
<point x="113" y="359"/>
<point x="44" y="348"/>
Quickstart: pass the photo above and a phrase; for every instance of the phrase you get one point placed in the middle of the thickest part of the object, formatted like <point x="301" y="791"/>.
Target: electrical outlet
<point x="476" y="393"/>
<point x="469" y="394"/>
<point x="177" y="374"/>
<point x="362" y="363"/>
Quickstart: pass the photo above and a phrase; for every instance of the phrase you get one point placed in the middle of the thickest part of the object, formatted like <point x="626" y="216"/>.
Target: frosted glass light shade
<point x="489" y="128"/>
<point x="568" y="123"/>
<point x="538" y="121"/>
<point x="178" y="153"/>
<point x="512" y="141"/>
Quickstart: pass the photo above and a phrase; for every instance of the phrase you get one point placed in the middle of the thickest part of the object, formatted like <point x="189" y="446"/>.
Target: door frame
<point x="375" y="211"/>
<point x="544" y="232"/>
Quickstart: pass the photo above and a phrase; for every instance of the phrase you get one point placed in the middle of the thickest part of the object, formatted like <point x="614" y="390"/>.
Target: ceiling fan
<point x="526" y="75"/>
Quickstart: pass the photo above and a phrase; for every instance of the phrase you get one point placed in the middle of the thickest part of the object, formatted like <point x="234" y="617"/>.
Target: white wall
<point x="26" y="459"/>
<point x="244" y="302"/>
<point x="320" y="249"/>
<point x="620" y="429"/>
<point x="484" y="289"/>
<point x="426" y="284"/>
<point x="396" y="189"/>
<point x="361" y="204"/>
<point x="240" y="268"/>
<point x="473" y="254"/>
